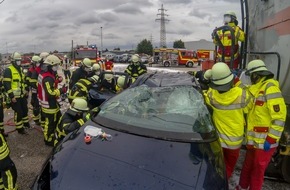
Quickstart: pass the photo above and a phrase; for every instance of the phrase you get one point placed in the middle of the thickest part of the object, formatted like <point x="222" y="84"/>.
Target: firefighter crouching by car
<point x="265" y="124"/>
<point x="32" y="76"/>
<point x="134" y="69"/>
<point x="72" y="119"/>
<point x="229" y="103"/>
<point x="230" y="19"/>
<point x="81" y="88"/>
<point x="48" y="95"/>
<point x="17" y="90"/>
<point x="81" y="73"/>
<point x="8" y="172"/>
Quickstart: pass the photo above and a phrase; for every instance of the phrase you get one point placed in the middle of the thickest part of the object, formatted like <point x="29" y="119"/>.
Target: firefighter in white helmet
<point x="82" y="72"/>
<point x="225" y="38"/>
<point x="16" y="87"/>
<point x="73" y="118"/>
<point x="32" y="77"/>
<point x="227" y="102"/>
<point x="134" y="69"/>
<point x="48" y="94"/>
<point x="265" y="124"/>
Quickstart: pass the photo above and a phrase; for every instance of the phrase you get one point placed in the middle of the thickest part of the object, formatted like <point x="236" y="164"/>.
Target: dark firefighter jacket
<point x="135" y="70"/>
<point x="78" y="74"/>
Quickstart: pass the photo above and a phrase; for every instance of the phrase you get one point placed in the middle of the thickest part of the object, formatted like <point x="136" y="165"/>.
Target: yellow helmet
<point x="52" y="60"/>
<point x="231" y="13"/>
<point x="221" y="77"/>
<point x="43" y="55"/>
<point x="16" y="56"/>
<point x="121" y="81"/>
<point x="35" y="58"/>
<point x="87" y="62"/>
<point x="135" y="58"/>
<point x="79" y="105"/>
<point x="257" y="65"/>
<point x="109" y="77"/>
<point x="96" y="67"/>
<point x="208" y="74"/>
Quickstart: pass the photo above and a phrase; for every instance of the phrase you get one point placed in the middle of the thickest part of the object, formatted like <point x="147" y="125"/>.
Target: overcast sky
<point x="46" y="25"/>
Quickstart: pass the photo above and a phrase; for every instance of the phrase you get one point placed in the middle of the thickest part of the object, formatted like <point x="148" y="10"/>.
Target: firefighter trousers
<point x="231" y="157"/>
<point x="50" y="121"/>
<point x="255" y="164"/>
<point x="8" y="174"/>
<point x="36" y="108"/>
<point x="1" y="115"/>
<point x="20" y="113"/>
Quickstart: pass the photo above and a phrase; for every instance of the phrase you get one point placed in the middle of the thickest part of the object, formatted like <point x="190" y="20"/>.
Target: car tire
<point x="285" y="168"/>
<point x="189" y="64"/>
<point x="166" y="64"/>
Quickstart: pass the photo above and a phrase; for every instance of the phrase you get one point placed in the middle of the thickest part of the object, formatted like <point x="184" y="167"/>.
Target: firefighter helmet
<point x="208" y="74"/>
<point x="35" y="58"/>
<point x="221" y="74"/>
<point x="109" y="77"/>
<point x="79" y="105"/>
<point x="16" y="56"/>
<point x="52" y="60"/>
<point x="121" y="81"/>
<point x="257" y="65"/>
<point x="87" y="62"/>
<point x="43" y="55"/>
<point x="135" y="58"/>
<point x="65" y="56"/>
<point x="231" y="13"/>
<point x="96" y="67"/>
<point x="230" y="16"/>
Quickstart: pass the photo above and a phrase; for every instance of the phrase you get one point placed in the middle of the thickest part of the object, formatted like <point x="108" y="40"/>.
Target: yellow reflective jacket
<point x="228" y="114"/>
<point x="266" y="119"/>
<point x="17" y="84"/>
<point x="226" y="40"/>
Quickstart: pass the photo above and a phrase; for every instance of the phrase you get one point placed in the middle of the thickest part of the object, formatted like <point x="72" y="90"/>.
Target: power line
<point x="162" y="20"/>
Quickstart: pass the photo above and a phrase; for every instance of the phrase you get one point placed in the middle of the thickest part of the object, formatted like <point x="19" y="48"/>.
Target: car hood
<point x="135" y="162"/>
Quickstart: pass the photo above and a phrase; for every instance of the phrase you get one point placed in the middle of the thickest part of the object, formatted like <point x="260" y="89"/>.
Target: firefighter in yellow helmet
<point x="16" y="87"/>
<point x="265" y="124"/>
<point x="48" y="94"/>
<point x="82" y="88"/>
<point x="229" y="104"/>
<point x="32" y="77"/>
<point x="121" y="84"/>
<point x="73" y="118"/>
<point x="82" y="72"/>
<point x="134" y="69"/>
<point x="224" y="36"/>
<point x="8" y="172"/>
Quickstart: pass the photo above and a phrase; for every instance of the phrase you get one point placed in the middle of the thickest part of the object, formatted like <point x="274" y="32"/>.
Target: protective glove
<point x="267" y="146"/>
<point x="86" y="116"/>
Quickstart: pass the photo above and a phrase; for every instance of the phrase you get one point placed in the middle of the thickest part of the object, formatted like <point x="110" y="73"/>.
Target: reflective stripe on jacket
<point x="80" y="89"/>
<point x="266" y="119"/>
<point x="228" y="115"/>
<point x="4" y="150"/>
<point x="17" y="82"/>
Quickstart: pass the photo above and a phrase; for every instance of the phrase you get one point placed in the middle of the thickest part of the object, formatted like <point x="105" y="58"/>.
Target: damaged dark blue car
<point x="157" y="134"/>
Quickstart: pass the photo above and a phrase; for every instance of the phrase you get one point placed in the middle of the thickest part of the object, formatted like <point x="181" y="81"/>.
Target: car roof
<point x="162" y="79"/>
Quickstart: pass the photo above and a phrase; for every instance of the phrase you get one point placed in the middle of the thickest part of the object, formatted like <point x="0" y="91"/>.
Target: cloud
<point x="176" y="1"/>
<point x="199" y="14"/>
<point x="128" y="8"/>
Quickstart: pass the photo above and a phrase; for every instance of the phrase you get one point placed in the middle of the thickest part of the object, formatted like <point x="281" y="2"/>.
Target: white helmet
<point x="43" y="55"/>
<point x="65" y="56"/>
<point x="87" y="62"/>
<point x="96" y="67"/>
<point x="135" y="58"/>
<point x="109" y="77"/>
<point x="208" y="74"/>
<point x="257" y="65"/>
<point x="79" y="105"/>
<point x="221" y="77"/>
<point x="35" y="58"/>
<point x="16" y="56"/>
<point x="52" y="60"/>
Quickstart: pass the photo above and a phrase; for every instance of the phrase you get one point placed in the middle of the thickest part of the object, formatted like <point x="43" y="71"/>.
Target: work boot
<point x="21" y="131"/>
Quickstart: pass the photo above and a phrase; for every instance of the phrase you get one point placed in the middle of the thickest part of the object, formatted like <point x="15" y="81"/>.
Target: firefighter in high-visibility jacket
<point x="225" y="37"/>
<point x="8" y="172"/>
<point x="2" y="108"/>
<point x="48" y="94"/>
<point x="81" y="88"/>
<point x="229" y="103"/>
<point x="134" y="69"/>
<point x="32" y="76"/>
<point x="72" y="119"/>
<point x="265" y="124"/>
<point x="16" y="87"/>
<point x="82" y="72"/>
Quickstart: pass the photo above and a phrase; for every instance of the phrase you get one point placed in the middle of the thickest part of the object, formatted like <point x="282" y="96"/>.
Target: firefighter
<point x="66" y="63"/>
<point x="82" y="72"/>
<point x="2" y="108"/>
<point x="109" y="65"/>
<point x="121" y="84"/>
<point x="227" y="102"/>
<point x="17" y="90"/>
<point x="81" y="88"/>
<point x="96" y="69"/>
<point x="230" y="19"/>
<point x="134" y="69"/>
<point x="73" y="118"/>
<point x="265" y="124"/>
<point x="48" y="94"/>
<point x="32" y="76"/>
<point x="8" y="172"/>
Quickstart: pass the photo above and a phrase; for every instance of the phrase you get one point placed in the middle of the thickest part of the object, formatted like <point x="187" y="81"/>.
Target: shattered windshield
<point x="176" y="109"/>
